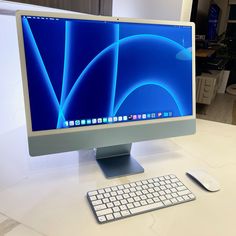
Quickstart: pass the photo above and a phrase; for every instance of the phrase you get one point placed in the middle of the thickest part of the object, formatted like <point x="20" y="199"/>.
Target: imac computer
<point x="103" y="82"/>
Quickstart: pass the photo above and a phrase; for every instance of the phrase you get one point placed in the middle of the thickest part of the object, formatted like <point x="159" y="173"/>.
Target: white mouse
<point x="204" y="179"/>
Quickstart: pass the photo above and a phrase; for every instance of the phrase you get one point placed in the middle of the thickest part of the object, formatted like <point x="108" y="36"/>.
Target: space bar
<point x="147" y="208"/>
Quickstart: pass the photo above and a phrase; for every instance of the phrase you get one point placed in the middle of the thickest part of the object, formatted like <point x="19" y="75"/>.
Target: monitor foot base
<point x="119" y="166"/>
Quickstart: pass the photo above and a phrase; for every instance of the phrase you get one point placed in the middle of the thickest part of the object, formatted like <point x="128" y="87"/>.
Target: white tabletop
<point x="53" y="201"/>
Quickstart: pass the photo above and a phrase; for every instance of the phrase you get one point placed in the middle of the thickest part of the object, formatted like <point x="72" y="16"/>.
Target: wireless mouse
<point x="204" y="179"/>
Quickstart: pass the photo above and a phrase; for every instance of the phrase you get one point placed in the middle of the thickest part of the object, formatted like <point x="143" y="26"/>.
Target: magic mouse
<point x="204" y="179"/>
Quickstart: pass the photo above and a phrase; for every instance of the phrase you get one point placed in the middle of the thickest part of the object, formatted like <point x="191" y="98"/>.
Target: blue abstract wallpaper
<point x="83" y="72"/>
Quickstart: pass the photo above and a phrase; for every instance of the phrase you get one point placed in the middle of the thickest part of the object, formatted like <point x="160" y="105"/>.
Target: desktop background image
<point x="86" y="70"/>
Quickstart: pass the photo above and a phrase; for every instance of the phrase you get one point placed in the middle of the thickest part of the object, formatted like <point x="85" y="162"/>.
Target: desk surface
<point x="53" y="203"/>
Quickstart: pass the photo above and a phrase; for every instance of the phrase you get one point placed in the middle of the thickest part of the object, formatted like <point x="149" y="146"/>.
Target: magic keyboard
<point x="120" y="201"/>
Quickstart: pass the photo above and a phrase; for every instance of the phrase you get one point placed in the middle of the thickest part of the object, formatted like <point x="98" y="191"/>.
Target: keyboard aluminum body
<point x="120" y="201"/>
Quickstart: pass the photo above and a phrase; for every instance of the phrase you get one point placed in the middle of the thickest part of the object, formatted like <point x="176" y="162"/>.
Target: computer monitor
<point x="213" y="21"/>
<point x="104" y="83"/>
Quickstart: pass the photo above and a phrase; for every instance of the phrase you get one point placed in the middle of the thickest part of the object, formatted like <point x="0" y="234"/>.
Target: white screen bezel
<point x="31" y="133"/>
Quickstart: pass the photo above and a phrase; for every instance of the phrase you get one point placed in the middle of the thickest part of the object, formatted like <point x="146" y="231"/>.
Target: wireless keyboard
<point x="120" y="201"/>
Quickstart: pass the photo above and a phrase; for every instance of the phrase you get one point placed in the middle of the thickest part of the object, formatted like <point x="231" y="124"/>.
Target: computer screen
<point x="93" y="82"/>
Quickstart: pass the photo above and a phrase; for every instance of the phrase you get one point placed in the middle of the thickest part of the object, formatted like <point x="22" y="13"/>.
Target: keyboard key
<point x="137" y="199"/>
<point x="167" y="202"/>
<point x="102" y="218"/>
<point x="119" y="197"/>
<point x="107" y="194"/>
<point x="162" y="198"/>
<point x="150" y="201"/>
<point x="130" y="200"/>
<point x="146" y="208"/>
<point x="105" y="200"/>
<point x="116" y="209"/>
<point x="112" y="199"/>
<point x="117" y="215"/>
<point x="180" y="188"/>
<point x="101" y="191"/>
<point x="138" y="193"/>
<point x="173" y="200"/>
<point x="143" y="197"/>
<point x="150" y="181"/>
<point x="120" y="192"/>
<point x="100" y="207"/>
<point x="130" y="205"/>
<point x="125" y="213"/>
<point x="132" y="189"/>
<point x="104" y="212"/>
<point x="191" y="196"/>
<point x="162" y="192"/>
<point x="137" y="204"/>
<point x="97" y="202"/>
<point x="93" y="193"/>
<point x="145" y="191"/>
<point x="162" y="187"/>
<point x="180" y="199"/>
<point x="117" y="203"/>
<point x="156" y="199"/>
<point x="167" y="191"/>
<point x="174" y="195"/>
<point x="126" y="190"/>
<point x="186" y="197"/>
<point x="144" y="187"/>
<point x="109" y="217"/>
<point x="149" y="195"/>
<point x="113" y="194"/>
<point x="126" y="185"/>
<point x="114" y="188"/>
<point x="107" y="190"/>
<point x="124" y="201"/>
<point x="110" y="204"/>
<point x="157" y="189"/>
<point x="174" y="180"/>
<point x="184" y="192"/>
<point x="132" y="194"/>
<point x="123" y="207"/>
<point x="143" y="202"/>
<point x="93" y="198"/>
<point x="120" y="187"/>
<point x="100" y="196"/>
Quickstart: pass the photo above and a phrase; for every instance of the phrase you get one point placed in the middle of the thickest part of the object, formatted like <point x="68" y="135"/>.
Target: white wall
<point x="15" y="163"/>
<point x="153" y="9"/>
<point x="11" y="105"/>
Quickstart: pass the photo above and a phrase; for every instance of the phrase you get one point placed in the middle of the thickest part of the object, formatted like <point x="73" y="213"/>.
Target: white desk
<point x="53" y="201"/>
